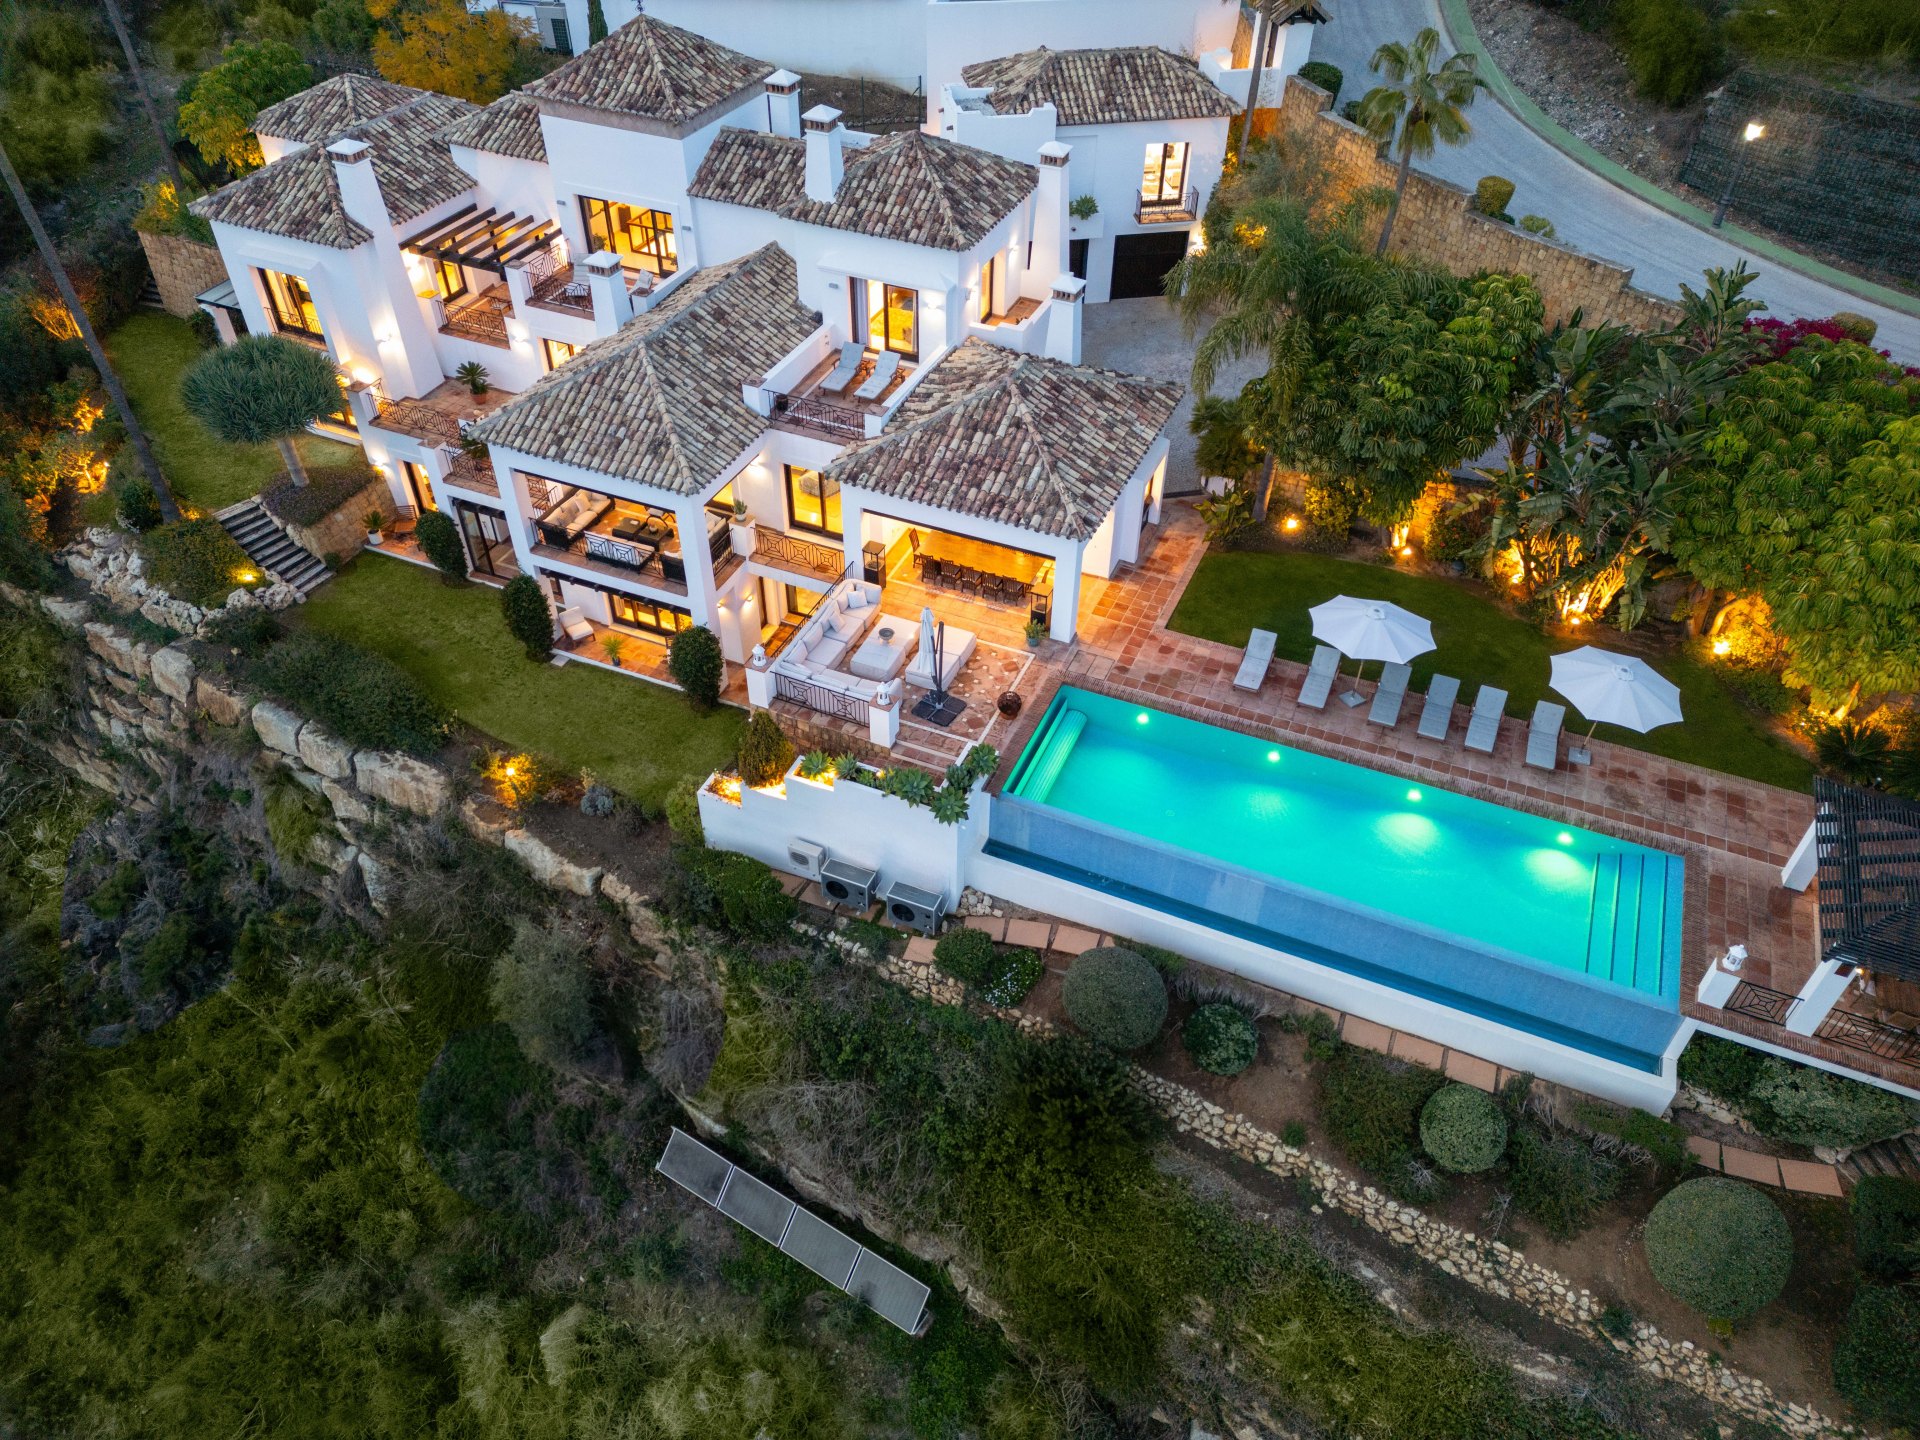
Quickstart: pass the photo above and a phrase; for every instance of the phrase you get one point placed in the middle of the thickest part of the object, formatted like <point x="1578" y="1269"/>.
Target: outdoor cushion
<point x="796" y="649"/>
<point x="855" y="599"/>
<point x="827" y="651"/>
<point x="841" y="626"/>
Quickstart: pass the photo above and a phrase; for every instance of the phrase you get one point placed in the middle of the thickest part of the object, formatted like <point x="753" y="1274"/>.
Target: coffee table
<point x="883" y="654"/>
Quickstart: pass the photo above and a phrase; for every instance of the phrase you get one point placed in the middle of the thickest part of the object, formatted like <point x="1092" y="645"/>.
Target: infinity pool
<point x="1503" y="882"/>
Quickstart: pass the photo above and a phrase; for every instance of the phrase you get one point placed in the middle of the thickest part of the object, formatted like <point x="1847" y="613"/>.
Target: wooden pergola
<point x="482" y="239"/>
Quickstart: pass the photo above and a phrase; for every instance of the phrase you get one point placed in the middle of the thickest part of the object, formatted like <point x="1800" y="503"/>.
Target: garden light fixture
<point x="1753" y="132"/>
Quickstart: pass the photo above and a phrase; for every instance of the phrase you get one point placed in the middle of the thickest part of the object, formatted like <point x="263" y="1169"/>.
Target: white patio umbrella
<point x="926" y="632"/>
<point x="1619" y="689"/>
<point x="1371" y="629"/>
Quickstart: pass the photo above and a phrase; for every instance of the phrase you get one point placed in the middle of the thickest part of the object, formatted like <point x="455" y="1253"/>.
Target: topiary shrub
<point x="1463" y="1130"/>
<point x="1491" y="196"/>
<point x="736" y="893"/>
<point x="1873" y="1363"/>
<point x="1886" y="1225"/>
<point x="765" y="752"/>
<point x="1221" y="1038"/>
<point x="363" y="698"/>
<point x="967" y="955"/>
<point x="1328" y="77"/>
<point x="1720" y="1246"/>
<point x="197" y="561"/>
<point x="697" y="666"/>
<point x="529" y="620"/>
<point x="1116" y="997"/>
<point x="439" y="540"/>
<point x="1856" y="326"/>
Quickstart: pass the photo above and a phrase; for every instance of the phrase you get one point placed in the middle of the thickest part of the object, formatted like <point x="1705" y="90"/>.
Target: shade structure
<point x="1619" y="689"/>
<point x="926" y="630"/>
<point x="1371" y="629"/>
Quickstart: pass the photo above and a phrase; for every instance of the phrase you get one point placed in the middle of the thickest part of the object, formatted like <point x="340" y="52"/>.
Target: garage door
<point x="1141" y="262"/>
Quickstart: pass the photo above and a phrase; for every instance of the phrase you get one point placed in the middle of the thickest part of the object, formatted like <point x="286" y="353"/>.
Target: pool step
<point x="1051" y="756"/>
<point x="1634" y="909"/>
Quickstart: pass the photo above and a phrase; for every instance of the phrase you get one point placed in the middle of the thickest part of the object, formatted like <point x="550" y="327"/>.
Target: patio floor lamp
<point x="1752" y="133"/>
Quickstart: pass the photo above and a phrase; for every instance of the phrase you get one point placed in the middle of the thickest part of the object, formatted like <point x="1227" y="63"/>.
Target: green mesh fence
<point x="1836" y="170"/>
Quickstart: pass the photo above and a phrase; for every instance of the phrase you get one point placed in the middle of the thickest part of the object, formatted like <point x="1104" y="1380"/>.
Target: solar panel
<point x="894" y="1294"/>
<point x="821" y="1248"/>
<point x="688" y="1163"/>
<point x="758" y="1206"/>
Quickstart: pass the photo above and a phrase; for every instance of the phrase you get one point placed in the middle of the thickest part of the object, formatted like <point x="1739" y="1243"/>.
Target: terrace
<point x="620" y="539"/>
<point x="837" y="409"/>
<point x="438" y="417"/>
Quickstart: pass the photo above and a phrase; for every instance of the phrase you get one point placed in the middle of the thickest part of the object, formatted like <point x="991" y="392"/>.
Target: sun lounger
<point x="1484" y="728"/>
<point x="1436" y="716"/>
<point x="842" y="374"/>
<point x="884" y="369"/>
<point x="1543" y="735"/>
<point x="1252" y="673"/>
<point x="1391" y="695"/>
<point x="1319" y="682"/>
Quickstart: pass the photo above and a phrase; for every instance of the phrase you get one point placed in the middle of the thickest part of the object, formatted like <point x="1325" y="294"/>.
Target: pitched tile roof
<point x="652" y="69"/>
<point x="907" y="186"/>
<point x="658" y="402"/>
<point x="322" y="111"/>
<point x="509" y="126"/>
<point x="298" y="197"/>
<point x="1101" y="87"/>
<point x="1030" y="442"/>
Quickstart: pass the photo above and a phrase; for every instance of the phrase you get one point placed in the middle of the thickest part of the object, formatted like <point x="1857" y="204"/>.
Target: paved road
<point x="1588" y="211"/>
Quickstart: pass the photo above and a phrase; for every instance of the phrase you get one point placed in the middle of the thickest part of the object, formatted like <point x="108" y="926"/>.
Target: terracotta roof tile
<point x="652" y="69"/>
<point x="298" y="197"/>
<point x="1034" y="443"/>
<point x="322" y="111"/>
<point x="509" y="126"/>
<point x="658" y="403"/>
<point x="1101" y="87"/>
<point x="907" y="186"/>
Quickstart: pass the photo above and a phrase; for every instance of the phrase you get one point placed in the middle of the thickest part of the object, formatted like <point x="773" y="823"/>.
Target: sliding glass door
<point x="1163" y="180"/>
<point x="887" y="317"/>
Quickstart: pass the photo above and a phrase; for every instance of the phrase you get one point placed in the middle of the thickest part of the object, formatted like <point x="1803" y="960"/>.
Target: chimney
<point x="612" y="304"/>
<point x="1063" y="319"/>
<point x="783" y="104"/>
<point x="359" y="191"/>
<point x="826" y="158"/>
<point x="1050" y="220"/>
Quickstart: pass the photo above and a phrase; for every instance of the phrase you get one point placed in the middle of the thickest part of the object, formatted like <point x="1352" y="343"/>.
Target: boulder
<point x="72" y="614"/>
<point x="119" y="650"/>
<point x="401" y="781"/>
<point x="277" y="727"/>
<point x="173" y="672"/>
<point x="222" y="706"/>
<point x="486" y="818"/>
<point x="240" y="598"/>
<point x="550" y="867"/>
<point x="327" y="756"/>
<point x="280" y="596"/>
<point x="378" y="880"/>
<point x="347" y="804"/>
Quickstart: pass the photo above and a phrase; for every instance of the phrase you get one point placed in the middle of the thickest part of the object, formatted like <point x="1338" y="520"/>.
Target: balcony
<point x="480" y="318"/>
<point x="438" y="417"/>
<point x="797" y="555"/>
<point x="620" y="539"/>
<point x="839" y="413"/>
<point x="1184" y="211"/>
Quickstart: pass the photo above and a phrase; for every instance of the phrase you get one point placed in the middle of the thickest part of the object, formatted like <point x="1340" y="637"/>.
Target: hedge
<point x="1873" y="1363"/>
<point x="1463" y="1130"/>
<point x="1328" y="77"/>
<point x="1796" y="1103"/>
<point x="197" y="561"/>
<point x="967" y="955"/>
<point x="363" y="698"/>
<point x="1221" y="1039"/>
<point x="439" y="538"/>
<point x="328" y="487"/>
<point x="1116" y="997"/>
<point x="697" y="667"/>
<point x="1886" y="1225"/>
<point x="1720" y="1246"/>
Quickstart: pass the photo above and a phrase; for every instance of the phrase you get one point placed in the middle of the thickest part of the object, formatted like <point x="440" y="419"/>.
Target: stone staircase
<point x="1898" y="1156"/>
<point x="270" y="547"/>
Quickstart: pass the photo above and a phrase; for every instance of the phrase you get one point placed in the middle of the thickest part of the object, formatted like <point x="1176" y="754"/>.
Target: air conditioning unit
<point x="847" y="884"/>
<point x="805" y="858"/>
<point x="910" y="905"/>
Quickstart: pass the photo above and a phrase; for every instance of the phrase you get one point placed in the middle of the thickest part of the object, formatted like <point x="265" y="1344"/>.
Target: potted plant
<point x="613" y="645"/>
<point x="1084" y="207"/>
<point x="473" y="375"/>
<point x="1036" y="632"/>
<point x="740" y="529"/>
<point x="373" y="520"/>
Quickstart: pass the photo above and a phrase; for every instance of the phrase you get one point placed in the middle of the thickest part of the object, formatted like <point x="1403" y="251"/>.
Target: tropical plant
<point x="1084" y="207"/>
<point x="529" y="618"/>
<point x="1420" y="106"/>
<point x="1116" y="997"/>
<point x="473" y="375"/>
<point x="1463" y="1130"/>
<point x="439" y="538"/>
<point x="218" y="116"/>
<point x="1720" y="1246"/>
<point x="1853" y="749"/>
<point x="613" y="645"/>
<point x="1221" y="1038"/>
<point x="262" y="387"/>
<point x="696" y="664"/>
<point x="373" y="520"/>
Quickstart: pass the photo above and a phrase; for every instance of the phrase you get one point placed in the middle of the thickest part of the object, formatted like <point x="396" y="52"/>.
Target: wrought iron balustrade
<point x="792" y="552"/>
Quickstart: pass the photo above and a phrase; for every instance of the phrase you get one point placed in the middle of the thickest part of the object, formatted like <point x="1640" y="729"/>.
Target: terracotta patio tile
<point x="1028" y="934"/>
<point x="791" y="884"/>
<point x="1072" y="940"/>
<point x="1811" y="1179"/>
<point x="1471" y="1070"/>
<point x="1745" y="1165"/>
<point x="1418" y="1051"/>
<point x="1366" y="1034"/>
<point x="994" y="925"/>
<point x="920" y="951"/>
<point x="1706" y="1151"/>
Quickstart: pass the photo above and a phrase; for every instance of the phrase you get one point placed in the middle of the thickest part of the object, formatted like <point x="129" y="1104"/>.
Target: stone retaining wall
<point x="182" y="268"/>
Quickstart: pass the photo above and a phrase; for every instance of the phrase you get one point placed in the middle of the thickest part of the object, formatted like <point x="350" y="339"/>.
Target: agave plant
<point x="1853" y="750"/>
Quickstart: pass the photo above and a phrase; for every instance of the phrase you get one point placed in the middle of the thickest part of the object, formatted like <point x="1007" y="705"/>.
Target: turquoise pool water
<point x="1589" y="905"/>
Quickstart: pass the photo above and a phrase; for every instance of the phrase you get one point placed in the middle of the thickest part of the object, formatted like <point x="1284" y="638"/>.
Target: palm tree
<point x="110" y="378"/>
<point x="1262" y="37"/>
<point x="1418" y="107"/>
<point x="146" y="96"/>
<point x="262" y="387"/>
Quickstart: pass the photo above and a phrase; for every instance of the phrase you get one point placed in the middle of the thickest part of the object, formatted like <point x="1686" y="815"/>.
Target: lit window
<point x="290" y="304"/>
<point x="557" y="352"/>
<point x="643" y="239"/>
<point x="1163" y="180"/>
<point x="887" y="317"/>
<point x="813" y="501"/>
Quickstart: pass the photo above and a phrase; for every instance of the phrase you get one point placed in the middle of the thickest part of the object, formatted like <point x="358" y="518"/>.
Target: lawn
<point x="636" y="736"/>
<point x="1234" y="591"/>
<point x="151" y="353"/>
